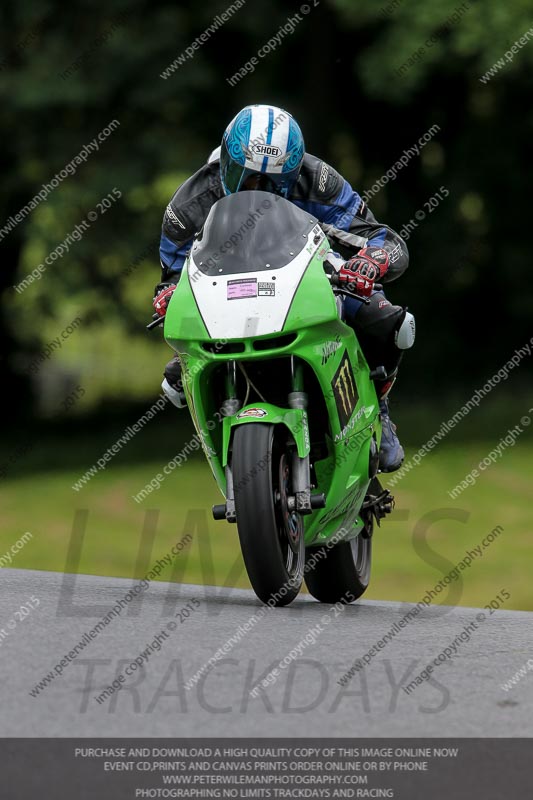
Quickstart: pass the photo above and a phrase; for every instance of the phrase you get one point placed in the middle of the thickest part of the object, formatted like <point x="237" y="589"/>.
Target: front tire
<point x="271" y="536"/>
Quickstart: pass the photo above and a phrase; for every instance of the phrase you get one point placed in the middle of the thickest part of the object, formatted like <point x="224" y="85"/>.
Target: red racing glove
<point x="162" y="299"/>
<point x="361" y="272"/>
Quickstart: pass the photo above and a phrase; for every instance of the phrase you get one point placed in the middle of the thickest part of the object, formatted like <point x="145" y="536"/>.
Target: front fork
<point x="301" y="501"/>
<point x="301" y="468"/>
<point x="230" y="406"/>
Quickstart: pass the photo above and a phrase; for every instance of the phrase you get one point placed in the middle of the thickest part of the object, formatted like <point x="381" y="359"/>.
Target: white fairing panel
<point x="238" y="305"/>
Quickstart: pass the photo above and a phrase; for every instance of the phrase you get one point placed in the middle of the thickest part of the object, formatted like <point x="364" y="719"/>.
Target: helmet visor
<point x="237" y="177"/>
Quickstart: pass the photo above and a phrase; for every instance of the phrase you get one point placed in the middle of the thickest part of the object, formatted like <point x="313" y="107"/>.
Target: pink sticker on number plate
<point x="242" y="287"/>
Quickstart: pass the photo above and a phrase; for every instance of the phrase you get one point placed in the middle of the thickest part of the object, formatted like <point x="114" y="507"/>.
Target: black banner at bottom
<point x="405" y="769"/>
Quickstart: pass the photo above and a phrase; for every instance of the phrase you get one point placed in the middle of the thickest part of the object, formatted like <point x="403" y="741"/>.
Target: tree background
<point x="338" y="73"/>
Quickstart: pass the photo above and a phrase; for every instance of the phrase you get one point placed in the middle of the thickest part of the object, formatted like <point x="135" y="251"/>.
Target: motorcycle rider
<point x="263" y="148"/>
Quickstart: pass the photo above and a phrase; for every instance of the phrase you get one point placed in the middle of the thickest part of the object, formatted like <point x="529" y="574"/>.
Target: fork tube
<point x="231" y="380"/>
<point x="297" y="375"/>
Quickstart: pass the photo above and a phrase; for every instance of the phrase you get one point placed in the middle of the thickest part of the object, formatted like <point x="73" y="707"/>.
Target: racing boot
<point x="391" y="454"/>
<point x="173" y="385"/>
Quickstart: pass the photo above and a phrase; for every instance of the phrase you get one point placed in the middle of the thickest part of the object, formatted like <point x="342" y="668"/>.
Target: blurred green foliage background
<point x="365" y="80"/>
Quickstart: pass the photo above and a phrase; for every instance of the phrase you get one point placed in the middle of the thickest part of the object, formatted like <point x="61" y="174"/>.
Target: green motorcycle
<point x="281" y="397"/>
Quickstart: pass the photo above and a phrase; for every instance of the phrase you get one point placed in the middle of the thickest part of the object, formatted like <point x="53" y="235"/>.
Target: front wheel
<point x="342" y="572"/>
<point x="271" y="535"/>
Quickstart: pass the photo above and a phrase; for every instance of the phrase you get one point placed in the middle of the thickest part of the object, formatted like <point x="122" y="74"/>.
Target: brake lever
<point x="155" y="323"/>
<point x="365" y="300"/>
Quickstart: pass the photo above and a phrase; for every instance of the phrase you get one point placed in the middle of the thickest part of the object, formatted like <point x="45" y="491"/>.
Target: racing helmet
<point x="262" y="148"/>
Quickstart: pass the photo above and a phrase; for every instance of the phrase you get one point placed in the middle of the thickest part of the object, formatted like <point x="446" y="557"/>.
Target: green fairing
<point x="331" y="350"/>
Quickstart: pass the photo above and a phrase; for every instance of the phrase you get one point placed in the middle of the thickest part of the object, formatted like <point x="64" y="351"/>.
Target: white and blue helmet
<point x="265" y="142"/>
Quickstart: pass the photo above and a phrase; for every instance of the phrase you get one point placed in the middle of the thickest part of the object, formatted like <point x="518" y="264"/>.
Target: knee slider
<point x="404" y="337"/>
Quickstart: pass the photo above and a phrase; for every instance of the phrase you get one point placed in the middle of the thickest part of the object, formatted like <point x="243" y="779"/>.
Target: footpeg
<point x="386" y="503"/>
<point x="381" y="505"/>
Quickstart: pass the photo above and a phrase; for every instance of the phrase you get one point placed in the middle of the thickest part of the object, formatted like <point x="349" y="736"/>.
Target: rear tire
<point x="341" y="570"/>
<point x="271" y="537"/>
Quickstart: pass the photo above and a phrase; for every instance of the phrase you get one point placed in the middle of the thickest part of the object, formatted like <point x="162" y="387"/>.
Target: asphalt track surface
<point x="464" y="697"/>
